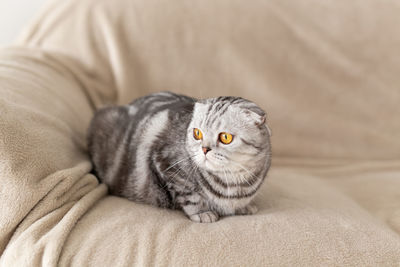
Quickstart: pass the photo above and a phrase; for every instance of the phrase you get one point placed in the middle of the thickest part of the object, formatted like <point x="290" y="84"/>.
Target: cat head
<point x="228" y="134"/>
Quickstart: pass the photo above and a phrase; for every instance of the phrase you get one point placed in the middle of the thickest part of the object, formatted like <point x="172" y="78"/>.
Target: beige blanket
<point x="327" y="72"/>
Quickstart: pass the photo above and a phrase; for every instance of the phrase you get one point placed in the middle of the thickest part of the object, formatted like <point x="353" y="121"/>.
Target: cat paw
<point x="248" y="210"/>
<point x="205" y="217"/>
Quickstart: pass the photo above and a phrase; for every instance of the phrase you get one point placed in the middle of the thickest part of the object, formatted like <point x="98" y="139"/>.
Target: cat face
<point x="227" y="136"/>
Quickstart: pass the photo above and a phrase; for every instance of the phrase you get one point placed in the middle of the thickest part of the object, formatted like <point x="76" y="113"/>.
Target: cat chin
<point x="209" y="165"/>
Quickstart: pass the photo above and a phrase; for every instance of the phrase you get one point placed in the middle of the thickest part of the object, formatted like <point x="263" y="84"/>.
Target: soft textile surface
<point x="325" y="71"/>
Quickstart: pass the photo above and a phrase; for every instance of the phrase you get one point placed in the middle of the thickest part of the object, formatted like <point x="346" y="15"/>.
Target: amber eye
<point x="197" y="134"/>
<point x="225" y="138"/>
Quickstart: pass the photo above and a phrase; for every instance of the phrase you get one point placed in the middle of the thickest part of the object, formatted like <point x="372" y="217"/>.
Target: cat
<point x="206" y="157"/>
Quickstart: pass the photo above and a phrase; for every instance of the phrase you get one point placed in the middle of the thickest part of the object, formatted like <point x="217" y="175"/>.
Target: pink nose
<point x="206" y="149"/>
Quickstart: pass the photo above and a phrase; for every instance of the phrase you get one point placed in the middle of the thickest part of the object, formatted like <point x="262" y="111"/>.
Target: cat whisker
<point x="185" y="164"/>
<point x="245" y="169"/>
<point x="243" y="179"/>
<point x="172" y="176"/>
<point x="235" y="180"/>
<point x="192" y="170"/>
<point x="177" y="162"/>
<point x="176" y="173"/>
<point x="231" y="174"/>
<point x="171" y="180"/>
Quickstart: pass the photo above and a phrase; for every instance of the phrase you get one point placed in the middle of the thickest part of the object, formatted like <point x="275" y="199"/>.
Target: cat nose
<point x="206" y="149"/>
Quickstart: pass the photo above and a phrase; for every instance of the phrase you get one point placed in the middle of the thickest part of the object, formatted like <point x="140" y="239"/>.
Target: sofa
<point x="326" y="72"/>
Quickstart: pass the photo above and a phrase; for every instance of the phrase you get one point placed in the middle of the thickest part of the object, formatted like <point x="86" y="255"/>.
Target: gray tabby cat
<point x="207" y="157"/>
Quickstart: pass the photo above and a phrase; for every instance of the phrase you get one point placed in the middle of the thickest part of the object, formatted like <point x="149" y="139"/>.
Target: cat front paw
<point x="205" y="217"/>
<point x="248" y="210"/>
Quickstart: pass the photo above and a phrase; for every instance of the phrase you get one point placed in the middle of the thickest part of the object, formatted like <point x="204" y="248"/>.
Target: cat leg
<point x="248" y="210"/>
<point x="204" y="217"/>
<point x="193" y="206"/>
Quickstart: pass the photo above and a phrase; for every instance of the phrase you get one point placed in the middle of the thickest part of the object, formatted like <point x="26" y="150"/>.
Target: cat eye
<point x="225" y="138"/>
<point x="197" y="134"/>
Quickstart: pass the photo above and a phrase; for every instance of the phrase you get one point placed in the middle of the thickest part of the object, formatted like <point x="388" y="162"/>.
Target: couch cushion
<point x="324" y="70"/>
<point x="302" y="221"/>
<point x="44" y="182"/>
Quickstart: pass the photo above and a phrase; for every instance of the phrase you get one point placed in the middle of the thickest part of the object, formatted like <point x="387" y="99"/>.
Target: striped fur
<point x="146" y="152"/>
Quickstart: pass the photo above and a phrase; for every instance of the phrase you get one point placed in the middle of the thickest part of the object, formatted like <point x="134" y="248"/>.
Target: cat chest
<point x="227" y="205"/>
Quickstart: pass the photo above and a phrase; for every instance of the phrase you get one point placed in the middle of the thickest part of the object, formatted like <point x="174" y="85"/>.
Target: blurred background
<point x="14" y="15"/>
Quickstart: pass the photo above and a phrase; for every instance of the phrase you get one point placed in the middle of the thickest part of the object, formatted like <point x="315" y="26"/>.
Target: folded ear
<point x="259" y="119"/>
<point x="255" y="113"/>
<point x="262" y="120"/>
